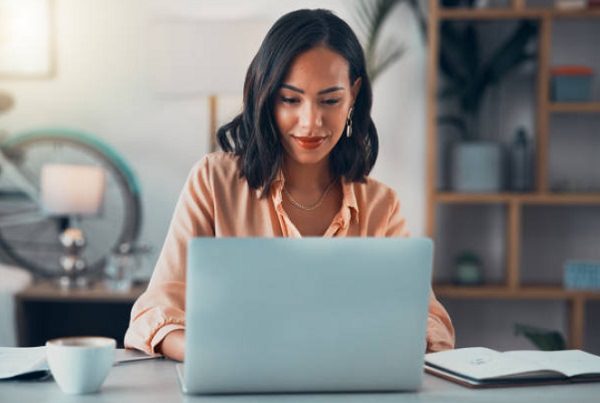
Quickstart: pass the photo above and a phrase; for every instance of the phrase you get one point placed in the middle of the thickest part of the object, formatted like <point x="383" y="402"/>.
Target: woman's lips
<point x="309" y="143"/>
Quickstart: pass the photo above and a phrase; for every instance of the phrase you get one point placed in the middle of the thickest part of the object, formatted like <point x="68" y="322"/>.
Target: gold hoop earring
<point x="349" y="123"/>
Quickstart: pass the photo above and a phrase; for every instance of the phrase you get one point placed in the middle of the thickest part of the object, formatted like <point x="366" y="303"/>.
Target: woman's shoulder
<point x="217" y="163"/>
<point x="217" y="169"/>
<point x="218" y="160"/>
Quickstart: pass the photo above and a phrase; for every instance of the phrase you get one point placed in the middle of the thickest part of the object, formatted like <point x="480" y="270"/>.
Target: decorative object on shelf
<point x="468" y="269"/>
<point x="583" y="275"/>
<point x="477" y="167"/>
<point x="543" y="339"/>
<point x="70" y="192"/>
<point x="521" y="162"/>
<point x="570" y="4"/>
<point x="571" y="83"/>
<point x="122" y="265"/>
<point x="30" y="238"/>
<point x="468" y="76"/>
<point x="73" y="264"/>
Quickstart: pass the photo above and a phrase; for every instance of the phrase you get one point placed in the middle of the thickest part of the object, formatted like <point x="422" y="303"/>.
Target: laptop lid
<point x="306" y="315"/>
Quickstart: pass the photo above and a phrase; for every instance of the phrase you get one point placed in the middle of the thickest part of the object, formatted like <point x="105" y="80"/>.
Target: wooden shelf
<point x="504" y="292"/>
<point x="510" y="13"/>
<point x="512" y="202"/>
<point x="522" y="198"/>
<point x="488" y="14"/>
<point x="49" y="291"/>
<point x="473" y="198"/>
<point x="585" y="13"/>
<point x="574" y="107"/>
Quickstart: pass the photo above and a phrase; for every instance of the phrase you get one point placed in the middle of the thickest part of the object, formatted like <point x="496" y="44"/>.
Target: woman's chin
<point x="309" y="158"/>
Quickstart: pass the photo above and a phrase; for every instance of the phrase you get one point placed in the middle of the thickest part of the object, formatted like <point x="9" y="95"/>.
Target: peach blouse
<point x="215" y="201"/>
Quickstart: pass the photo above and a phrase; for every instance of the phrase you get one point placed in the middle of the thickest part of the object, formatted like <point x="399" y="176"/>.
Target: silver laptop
<point x="305" y="315"/>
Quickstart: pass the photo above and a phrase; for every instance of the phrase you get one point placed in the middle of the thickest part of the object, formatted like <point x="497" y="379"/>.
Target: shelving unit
<point x="514" y="203"/>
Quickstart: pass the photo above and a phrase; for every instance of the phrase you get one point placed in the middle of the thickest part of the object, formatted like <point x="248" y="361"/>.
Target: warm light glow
<point x="72" y="189"/>
<point x="24" y="37"/>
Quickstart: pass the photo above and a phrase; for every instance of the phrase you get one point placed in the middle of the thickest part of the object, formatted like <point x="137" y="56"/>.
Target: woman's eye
<point x="288" y="100"/>
<point x="331" y="101"/>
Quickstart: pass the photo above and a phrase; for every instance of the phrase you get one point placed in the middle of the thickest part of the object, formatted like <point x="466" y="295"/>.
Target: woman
<point x="295" y="163"/>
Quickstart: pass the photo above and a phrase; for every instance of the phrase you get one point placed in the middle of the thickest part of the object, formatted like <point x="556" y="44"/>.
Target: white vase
<point x="477" y="167"/>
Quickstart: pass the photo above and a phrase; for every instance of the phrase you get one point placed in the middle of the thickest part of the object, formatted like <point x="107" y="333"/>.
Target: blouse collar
<point x="349" y="203"/>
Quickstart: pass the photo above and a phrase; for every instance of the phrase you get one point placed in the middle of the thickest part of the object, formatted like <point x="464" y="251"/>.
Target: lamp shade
<point x="72" y="189"/>
<point x="203" y="57"/>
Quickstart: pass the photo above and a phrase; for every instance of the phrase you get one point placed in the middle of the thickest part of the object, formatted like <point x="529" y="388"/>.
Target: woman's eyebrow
<point x="325" y="91"/>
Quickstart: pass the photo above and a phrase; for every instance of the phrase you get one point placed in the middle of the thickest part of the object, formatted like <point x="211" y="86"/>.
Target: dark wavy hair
<point x="253" y="134"/>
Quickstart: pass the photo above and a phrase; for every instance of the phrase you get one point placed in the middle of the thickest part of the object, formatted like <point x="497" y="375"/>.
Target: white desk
<point x="156" y="381"/>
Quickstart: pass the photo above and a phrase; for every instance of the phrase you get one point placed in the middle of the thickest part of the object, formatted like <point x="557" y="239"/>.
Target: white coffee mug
<point x="80" y="364"/>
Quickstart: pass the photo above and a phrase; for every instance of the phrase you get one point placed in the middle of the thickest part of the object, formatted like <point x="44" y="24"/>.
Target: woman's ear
<point x="355" y="89"/>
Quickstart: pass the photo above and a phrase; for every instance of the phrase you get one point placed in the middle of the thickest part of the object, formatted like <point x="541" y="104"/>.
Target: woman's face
<point x="312" y="104"/>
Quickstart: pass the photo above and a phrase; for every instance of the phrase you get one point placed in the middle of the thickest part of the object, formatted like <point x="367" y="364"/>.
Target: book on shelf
<point x="480" y="367"/>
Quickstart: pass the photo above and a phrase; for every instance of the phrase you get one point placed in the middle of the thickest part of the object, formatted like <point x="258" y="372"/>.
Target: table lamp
<point x="70" y="192"/>
<point x="204" y="58"/>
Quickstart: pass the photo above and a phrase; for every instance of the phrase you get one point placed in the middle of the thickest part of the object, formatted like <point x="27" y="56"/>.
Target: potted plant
<point x="371" y="16"/>
<point x="476" y="163"/>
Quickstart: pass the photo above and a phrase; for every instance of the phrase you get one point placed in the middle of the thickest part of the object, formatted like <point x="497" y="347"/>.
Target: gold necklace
<point x="312" y="207"/>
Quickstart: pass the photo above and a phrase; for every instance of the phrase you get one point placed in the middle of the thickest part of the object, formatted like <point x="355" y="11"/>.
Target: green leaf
<point x="455" y="122"/>
<point x="511" y="54"/>
<point x="543" y="339"/>
<point x="371" y="18"/>
<point x="453" y="52"/>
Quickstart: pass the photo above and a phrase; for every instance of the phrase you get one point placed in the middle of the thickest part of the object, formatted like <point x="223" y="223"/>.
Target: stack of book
<point x="582" y="275"/>
<point x="570" y="4"/>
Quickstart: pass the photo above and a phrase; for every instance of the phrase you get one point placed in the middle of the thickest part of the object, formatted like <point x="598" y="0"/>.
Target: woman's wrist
<point x="173" y="345"/>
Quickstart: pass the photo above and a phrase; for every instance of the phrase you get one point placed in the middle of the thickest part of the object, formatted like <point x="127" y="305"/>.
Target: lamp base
<point x="67" y="282"/>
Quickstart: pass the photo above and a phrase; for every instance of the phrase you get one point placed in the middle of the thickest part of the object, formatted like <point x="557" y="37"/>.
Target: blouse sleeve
<point x="161" y="308"/>
<point x="440" y="332"/>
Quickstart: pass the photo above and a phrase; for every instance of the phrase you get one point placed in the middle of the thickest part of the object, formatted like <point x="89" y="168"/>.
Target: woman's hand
<point x="173" y="345"/>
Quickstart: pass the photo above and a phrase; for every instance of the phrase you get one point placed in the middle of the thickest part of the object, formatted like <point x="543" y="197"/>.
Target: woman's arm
<point x="440" y="331"/>
<point x="160" y="311"/>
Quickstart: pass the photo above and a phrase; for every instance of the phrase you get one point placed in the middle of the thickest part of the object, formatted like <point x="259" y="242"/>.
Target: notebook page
<point x="18" y="360"/>
<point x="568" y="362"/>
<point x="482" y="363"/>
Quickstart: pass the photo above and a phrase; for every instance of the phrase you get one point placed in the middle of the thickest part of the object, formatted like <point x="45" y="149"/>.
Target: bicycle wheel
<point x="28" y="237"/>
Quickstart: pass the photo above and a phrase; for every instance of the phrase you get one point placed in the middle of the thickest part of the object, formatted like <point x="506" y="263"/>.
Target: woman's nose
<point x="311" y="116"/>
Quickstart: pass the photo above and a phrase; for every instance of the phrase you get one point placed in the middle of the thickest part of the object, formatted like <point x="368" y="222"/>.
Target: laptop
<point x="275" y="315"/>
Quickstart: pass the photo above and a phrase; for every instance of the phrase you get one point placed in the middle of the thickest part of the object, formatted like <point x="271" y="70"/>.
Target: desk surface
<point x="156" y="381"/>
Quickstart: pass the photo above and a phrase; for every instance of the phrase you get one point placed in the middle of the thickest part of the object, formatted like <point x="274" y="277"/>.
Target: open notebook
<point x="30" y="362"/>
<point x="484" y="367"/>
